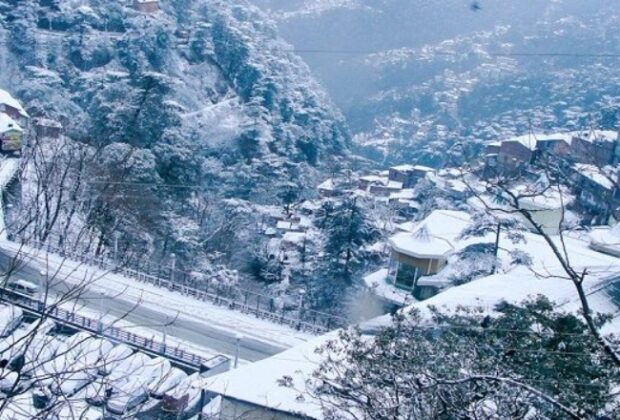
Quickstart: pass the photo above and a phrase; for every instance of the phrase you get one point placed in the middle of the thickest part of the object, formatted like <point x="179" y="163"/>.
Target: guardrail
<point x="233" y="298"/>
<point x="111" y="332"/>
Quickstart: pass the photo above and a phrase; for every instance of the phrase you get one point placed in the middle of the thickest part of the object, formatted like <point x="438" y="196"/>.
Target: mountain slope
<point x="198" y="102"/>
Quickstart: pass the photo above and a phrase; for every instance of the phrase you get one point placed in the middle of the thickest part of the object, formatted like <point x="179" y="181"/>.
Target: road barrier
<point x="231" y="297"/>
<point x="41" y="309"/>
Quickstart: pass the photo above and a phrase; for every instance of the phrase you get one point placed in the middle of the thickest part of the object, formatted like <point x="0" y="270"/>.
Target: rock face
<point x="201" y="97"/>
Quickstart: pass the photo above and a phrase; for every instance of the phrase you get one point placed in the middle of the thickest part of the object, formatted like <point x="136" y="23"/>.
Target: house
<point x="146" y="6"/>
<point x="408" y="175"/>
<point x="597" y="190"/>
<point x="424" y="251"/>
<point x="368" y="180"/>
<point x="555" y="144"/>
<point x="11" y="134"/>
<point x="328" y="188"/>
<point x="11" y="107"/>
<point x="516" y="152"/>
<point x="598" y="147"/>
<point x="263" y="397"/>
<point x="46" y="128"/>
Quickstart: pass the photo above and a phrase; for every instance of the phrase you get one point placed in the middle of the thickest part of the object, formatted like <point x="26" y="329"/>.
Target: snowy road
<point x="204" y="334"/>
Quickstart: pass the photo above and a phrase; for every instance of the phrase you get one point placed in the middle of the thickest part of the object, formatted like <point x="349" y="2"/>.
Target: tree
<point x="529" y="361"/>
<point x="347" y="230"/>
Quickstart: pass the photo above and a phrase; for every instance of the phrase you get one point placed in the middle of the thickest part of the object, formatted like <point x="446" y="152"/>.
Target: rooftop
<point x="434" y="237"/>
<point x="7" y="123"/>
<point x="7" y="99"/>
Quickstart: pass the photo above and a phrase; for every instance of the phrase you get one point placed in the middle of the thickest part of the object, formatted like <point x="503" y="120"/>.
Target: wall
<point x="233" y="409"/>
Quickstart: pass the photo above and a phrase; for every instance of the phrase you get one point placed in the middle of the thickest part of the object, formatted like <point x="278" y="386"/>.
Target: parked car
<point x="130" y="394"/>
<point x="184" y="399"/>
<point x="173" y="378"/>
<point x="41" y="350"/>
<point x="10" y="318"/>
<point x="22" y="287"/>
<point x="15" y="345"/>
<point x="113" y="358"/>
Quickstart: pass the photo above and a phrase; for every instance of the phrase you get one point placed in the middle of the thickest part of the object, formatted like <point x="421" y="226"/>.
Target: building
<point x="598" y="147"/>
<point x="11" y="107"/>
<point x="408" y="175"/>
<point x="424" y="251"/>
<point x="515" y="153"/>
<point x="46" y="128"/>
<point x="11" y="134"/>
<point x="146" y="6"/>
<point x="597" y="190"/>
<point x="327" y="188"/>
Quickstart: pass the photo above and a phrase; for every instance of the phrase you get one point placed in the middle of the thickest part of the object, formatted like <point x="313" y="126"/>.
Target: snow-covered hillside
<point x="197" y="101"/>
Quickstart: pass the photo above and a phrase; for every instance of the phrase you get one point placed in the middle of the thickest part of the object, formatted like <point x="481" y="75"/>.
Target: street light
<point x="116" y="238"/>
<point x="42" y="286"/>
<point x="173" y="265"/>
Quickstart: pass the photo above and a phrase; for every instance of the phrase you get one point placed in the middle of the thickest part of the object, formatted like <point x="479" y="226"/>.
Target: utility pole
<point x="238" y="339"/>
<point x="496" y="249"/>
<point x="116" y="238"/>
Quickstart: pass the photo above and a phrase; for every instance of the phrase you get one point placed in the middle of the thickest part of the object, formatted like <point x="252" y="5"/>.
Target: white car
<point x="127" y="396"/>
<point x="185" y="397"/>
<point x="10" y="318"/>
<point x="113" y="358"/>
<point x="135" y="390"/>
<point x="41" y="350"/>
<point x="173" y="378"/>
<point x="15" y="345"/>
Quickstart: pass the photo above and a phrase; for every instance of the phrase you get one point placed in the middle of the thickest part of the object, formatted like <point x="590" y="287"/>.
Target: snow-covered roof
<point x="606" y="239"/>
<point x="8" y="124"/>
<point x="300" y="362"/>
<point x="378" y="282"/>
<point x="409" y="168"/>
<point x="527" y="140"/>
<point x="285" y="225"/>
<point x="294" y="237"/>
<point x="393" y="185"/>
<point x="257" y="383"/>
<point x="46" y="122"/>
<point x="375" y="178"/>
<point x="530" y="140"/>
<point x="407" y="194"/>
<point x="434" y="237"/>
<point x="7" y="99"/>
<point x="594" y="173"/>
<point x="327" y="185"/>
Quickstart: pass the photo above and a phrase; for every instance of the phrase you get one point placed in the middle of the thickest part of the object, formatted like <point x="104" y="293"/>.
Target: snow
<point x="530" y="140"/>
<point x="296" y="238"/>
<point x="606" y="239"/>
<point x="170" y="303"/>
<point x="514" y="286"/>
<point x="263" y="388"/>
<point x="435" y="237"/>
<point x="8" y="124"/>
<point x="394" y="185"/>
<point x="7" y="99"/>
<point x="377" y="281"/>
<point x="327" y="185"/>
<point x="596" y="174"/>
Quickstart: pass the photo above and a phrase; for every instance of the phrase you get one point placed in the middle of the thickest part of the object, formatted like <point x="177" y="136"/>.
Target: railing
<point x="108" y="331"/>
<point x="231" y="297"/>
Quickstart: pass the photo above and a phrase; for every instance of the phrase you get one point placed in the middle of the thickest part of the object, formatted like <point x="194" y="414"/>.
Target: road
<point x="198" y="333"/>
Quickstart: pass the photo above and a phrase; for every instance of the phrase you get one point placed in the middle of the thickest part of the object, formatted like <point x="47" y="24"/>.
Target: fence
<point x="76" y="320"/>
<point x="231" y="297"/>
